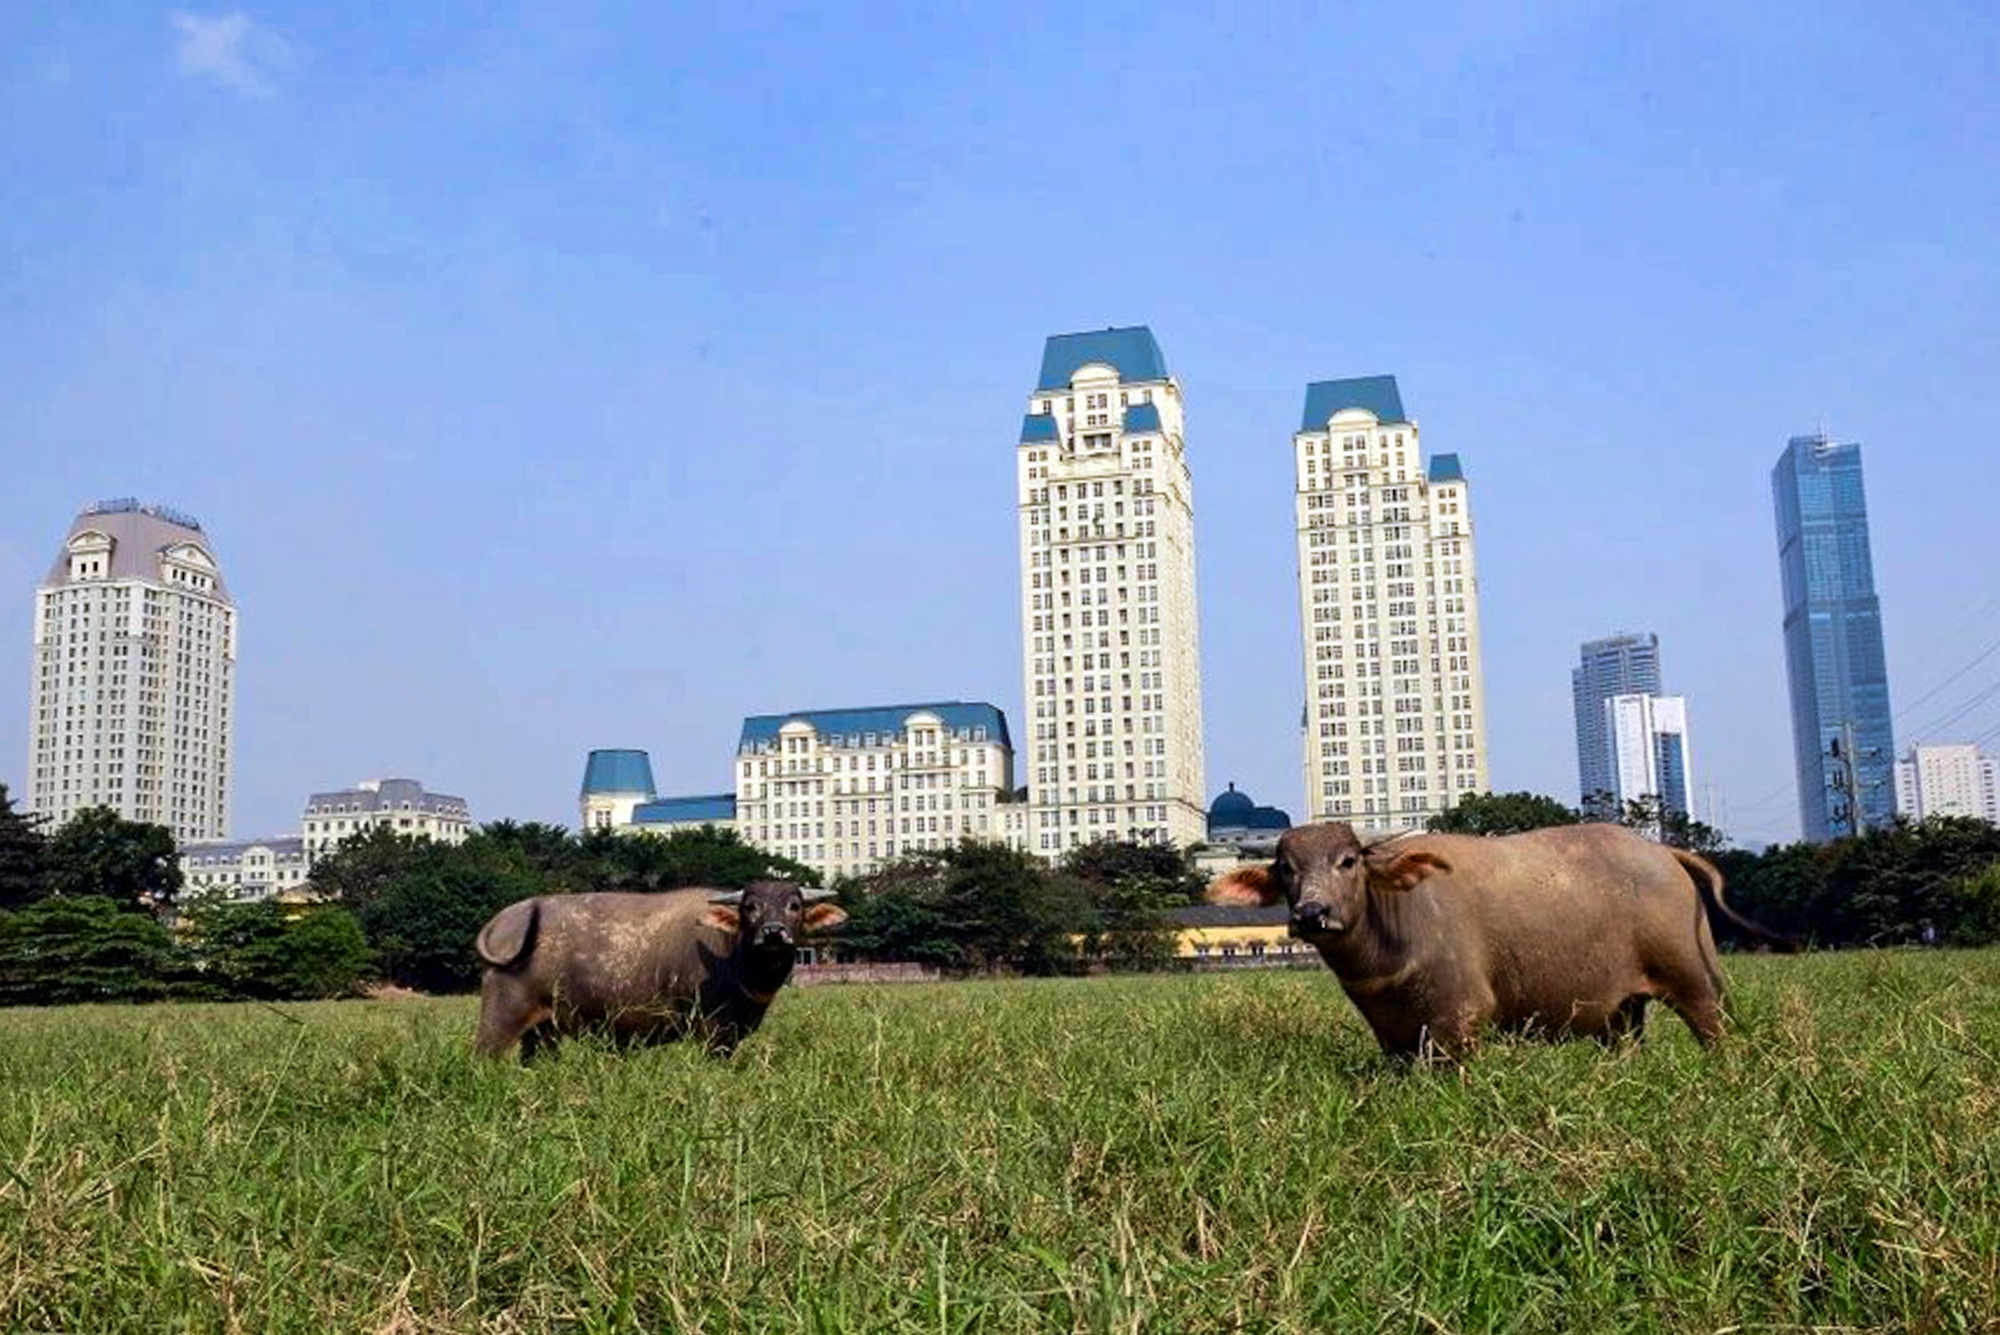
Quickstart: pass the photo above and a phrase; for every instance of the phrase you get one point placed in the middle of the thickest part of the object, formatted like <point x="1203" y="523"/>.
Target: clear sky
<point x="551" y="379"/>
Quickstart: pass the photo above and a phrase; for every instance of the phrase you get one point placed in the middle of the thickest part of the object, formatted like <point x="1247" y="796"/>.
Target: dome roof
<point x="1270" y="818"/>
<point x="1231" y="808"/>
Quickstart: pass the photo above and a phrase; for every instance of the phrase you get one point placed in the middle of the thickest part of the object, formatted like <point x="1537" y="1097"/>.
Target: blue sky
<point x="553" y="378"/>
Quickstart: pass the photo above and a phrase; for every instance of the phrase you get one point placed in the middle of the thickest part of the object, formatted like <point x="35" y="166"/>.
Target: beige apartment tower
<point x="1111" y="659"/>
<point x="1395" y="717"/>
<point x="134" y="688"/>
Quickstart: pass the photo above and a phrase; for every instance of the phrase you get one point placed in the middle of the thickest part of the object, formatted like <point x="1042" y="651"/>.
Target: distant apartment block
<point x="1395" y="720"/>
<point x="132" y="705"/>
<point x="1843" y="747"/>
<point x="247" y="869"/>
<point x="1623" y="664"/>
<point x="260" y="868"/>
<point x="1948" y="780"/>
<point x="840" y="790"/>
<point x="400" y="805"/>
<point x="1646" y="750"/>
<point x="1111" y="661"/>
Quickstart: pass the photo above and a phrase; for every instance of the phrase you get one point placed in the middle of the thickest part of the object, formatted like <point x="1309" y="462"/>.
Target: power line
<point x="1967" y="707"/>
<point x="1981" y="657"/>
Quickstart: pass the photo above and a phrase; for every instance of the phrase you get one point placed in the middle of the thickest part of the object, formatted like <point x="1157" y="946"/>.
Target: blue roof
<point x="1037" y="427"/>
<point x="677" y="810"/>
<point x="1445" y="468"/>
<point x="1134" y="352"/>
<point x="1371" y="393"/>
<point x="879" y="719"/>
<point x="618" y="772"/>
<point x="1142" y="417"/>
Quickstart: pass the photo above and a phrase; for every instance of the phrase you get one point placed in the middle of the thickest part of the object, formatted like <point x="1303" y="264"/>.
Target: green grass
<point x="1170" y="1154"/>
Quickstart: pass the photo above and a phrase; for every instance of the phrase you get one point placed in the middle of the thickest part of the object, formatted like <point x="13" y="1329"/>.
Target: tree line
<point x="96" y="910"/>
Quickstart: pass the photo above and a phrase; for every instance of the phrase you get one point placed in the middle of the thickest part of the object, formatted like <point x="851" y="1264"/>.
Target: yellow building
<point x="1227" y="934"/>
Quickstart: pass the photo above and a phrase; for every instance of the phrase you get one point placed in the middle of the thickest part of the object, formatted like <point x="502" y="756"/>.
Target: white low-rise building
<point x="401" y="805"/>
<point x="282" y="864"/>
<point x="840" y="790"/>
<point x="246" y="869"/>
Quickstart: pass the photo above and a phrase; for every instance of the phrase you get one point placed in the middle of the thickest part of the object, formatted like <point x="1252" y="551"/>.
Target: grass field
<point x="1170" y="1154"/>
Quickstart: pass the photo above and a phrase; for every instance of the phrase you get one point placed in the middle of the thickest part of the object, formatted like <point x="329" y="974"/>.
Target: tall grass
<point x="1172" y="1154"/>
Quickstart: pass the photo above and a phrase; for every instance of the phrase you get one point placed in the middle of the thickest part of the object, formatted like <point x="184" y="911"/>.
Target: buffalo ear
<point x="724" y="917"/>
<point x="820" y="917"/>
<point x="1246" y="885"/>
<point x="1406" y="871"/>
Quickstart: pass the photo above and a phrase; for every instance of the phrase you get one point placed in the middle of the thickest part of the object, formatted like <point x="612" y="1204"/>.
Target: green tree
<point x="701" y="856"/>
<point x="548" y="851"/>
<point x="268" y="950"/>
<point x="422" y="923"/>
<point x="1971" y="915"/>
<point x="78" y="948"/>
<point x="1110" y="862"/>
<point x="1676" y="829"/>
<point x="1502" y="813"/>
<point x="98" y="852"/>
<point x="972" y="907"/>
<point x="367" y="865"/>
<point x="23" y="855"/>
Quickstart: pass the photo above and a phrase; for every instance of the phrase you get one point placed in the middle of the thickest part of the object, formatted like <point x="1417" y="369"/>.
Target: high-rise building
<point x="1844" y="751"/>
<point x="1109" y="631"/>
<point x="1395" y="709"/>
<point x="1646" y="750"/>
<point x="1947" y="780"/>
<point x="133" y="699"/>
<point x="1625" y="664"/>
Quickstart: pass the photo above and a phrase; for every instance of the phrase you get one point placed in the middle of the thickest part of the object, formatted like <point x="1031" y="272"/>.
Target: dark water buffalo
<point x="648" y="968"/>
<point x="1566" y="931"/>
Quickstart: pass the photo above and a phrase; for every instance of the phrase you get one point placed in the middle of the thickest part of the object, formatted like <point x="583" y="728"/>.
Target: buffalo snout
<point x="1311" y="918"/>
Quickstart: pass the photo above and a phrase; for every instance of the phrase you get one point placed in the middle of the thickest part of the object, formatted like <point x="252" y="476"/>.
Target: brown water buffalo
<point x="1566" y="931"/>
<point x="642" y="968"/>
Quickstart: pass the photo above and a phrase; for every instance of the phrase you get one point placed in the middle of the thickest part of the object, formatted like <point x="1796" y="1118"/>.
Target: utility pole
<point x="1845" y="780"/>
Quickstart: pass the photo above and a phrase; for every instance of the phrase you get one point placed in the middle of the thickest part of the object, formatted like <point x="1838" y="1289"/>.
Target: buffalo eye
<point x="1346" y="861"/>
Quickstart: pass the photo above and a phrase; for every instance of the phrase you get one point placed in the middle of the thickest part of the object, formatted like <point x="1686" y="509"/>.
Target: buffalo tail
<point x="1708" y="881"/>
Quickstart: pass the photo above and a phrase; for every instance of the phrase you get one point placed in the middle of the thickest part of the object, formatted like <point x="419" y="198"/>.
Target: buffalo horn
<point x="726" y="897"/>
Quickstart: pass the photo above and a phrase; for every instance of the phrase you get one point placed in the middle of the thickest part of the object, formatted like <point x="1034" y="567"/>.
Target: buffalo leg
<point x="539" y="1042"/>
<point x="1696" y="999"/>
<point x="1627" y="1023"/>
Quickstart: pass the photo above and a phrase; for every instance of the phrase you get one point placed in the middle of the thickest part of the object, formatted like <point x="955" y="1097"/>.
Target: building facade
<point x="401" y="805"/>
<point x="248" y="869"/>
<point x="1646" y="750"/>
<point x="1111" y="661"/>
<point x="1947" y="780"/>
<point x="133" y="699"/>
<point x="1395" y="719"/>
<point x="845" y="790"/>
<point x="1623" y="664"/>
<point x="1843" y="746"/>
<point x="282" y="865"/>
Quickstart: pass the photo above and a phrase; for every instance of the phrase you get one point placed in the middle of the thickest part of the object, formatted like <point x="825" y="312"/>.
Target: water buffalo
<point x="1566" y="931"/>
<point x="643" y="968"/>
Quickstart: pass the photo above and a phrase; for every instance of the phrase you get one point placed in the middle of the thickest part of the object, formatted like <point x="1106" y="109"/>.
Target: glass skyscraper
<point x="1833" y="641"/>
<point x="1627" y="664"/>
